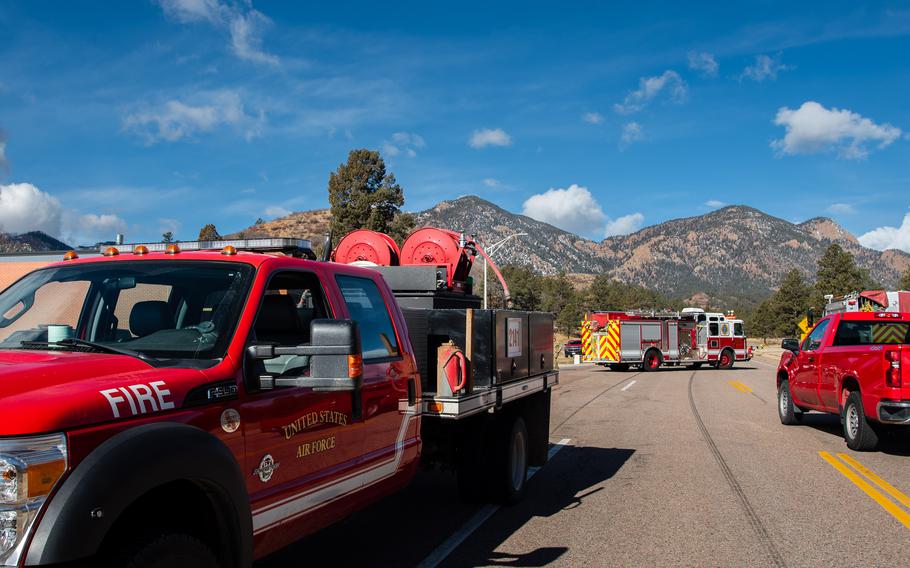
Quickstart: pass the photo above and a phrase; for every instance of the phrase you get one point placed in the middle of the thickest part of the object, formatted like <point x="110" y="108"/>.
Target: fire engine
<point x="868" y="301"/>
<point x="693" y="337"/>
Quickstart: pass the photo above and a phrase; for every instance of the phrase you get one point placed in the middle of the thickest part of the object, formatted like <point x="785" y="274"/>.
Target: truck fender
<point x="127" y="466"/>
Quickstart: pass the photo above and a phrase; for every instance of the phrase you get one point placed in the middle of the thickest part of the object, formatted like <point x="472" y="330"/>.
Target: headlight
<point x="29" y="470"/>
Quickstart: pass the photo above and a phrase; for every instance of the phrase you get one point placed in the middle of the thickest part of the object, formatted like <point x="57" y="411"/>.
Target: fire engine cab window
<point x="814" y="341"/>
<point x="291" y="302"/>
<point x="871" y="333"/>
<point x="369" y="310"/>
<point x="738" y="330"/>
<point x="713" y="329"/>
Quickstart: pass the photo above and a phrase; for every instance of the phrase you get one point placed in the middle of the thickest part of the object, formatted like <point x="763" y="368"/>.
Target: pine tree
<point x="209" y="233"/>
<point x="364" y="196"/>
<point x="167" y="237"/>
<point x="838" y="274"/>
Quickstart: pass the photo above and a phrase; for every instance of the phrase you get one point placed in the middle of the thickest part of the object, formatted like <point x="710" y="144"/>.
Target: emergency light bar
<point x="294" y="247"/>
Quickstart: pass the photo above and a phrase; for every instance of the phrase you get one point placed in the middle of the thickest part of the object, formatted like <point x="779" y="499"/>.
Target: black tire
<point x="785" y="408"/>
<point x="694" y="366"/>
<point x="652" y="360"/>
<point x="858" y="432"/>
<point x="726" y="360"/>
<point x="167" y="550"/>
<point x="512" y="466"/>
<point x="619" y="367"/>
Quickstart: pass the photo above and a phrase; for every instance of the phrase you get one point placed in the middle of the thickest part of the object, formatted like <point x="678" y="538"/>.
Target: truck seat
<point x="279" y="322"/>
<point x="148" y="317"/>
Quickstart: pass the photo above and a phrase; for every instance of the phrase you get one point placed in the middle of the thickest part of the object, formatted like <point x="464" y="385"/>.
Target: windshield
<point x="161" y="310"/>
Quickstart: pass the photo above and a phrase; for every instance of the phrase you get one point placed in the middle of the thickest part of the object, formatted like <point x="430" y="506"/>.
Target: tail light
<point x="893" y="370"/>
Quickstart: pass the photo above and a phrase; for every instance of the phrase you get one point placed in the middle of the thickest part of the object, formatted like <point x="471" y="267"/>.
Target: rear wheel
<point x="513" y="462"/>
<point x="167" y="550"/>
<point x="726" y="359"/>
<point x="652" y="360"/>
<point x="859" y="433"/>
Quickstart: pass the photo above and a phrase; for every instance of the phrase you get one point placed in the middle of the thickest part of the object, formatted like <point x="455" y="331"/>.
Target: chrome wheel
<point x="852" y="422"/>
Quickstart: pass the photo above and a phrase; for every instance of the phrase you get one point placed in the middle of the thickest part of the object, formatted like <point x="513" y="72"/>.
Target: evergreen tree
<point x="167" y="237"/>
<point x="209" y="233"/>
<point x="838" y="274"/>
<point x="364" y="196"/>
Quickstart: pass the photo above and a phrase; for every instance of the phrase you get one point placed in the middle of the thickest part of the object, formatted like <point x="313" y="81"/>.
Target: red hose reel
<point x="367" y="246"/>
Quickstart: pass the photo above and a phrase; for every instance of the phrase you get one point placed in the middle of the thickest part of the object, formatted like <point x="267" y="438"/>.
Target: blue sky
<point x="149" y="116"/>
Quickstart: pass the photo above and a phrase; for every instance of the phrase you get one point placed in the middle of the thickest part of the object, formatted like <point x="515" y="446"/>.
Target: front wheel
<point x="169" y="550"/>
<point x="726" y="360"/>
<point x="652" y="360"/>
<point x="785" y="409"/>
<point x="859" y="433"/>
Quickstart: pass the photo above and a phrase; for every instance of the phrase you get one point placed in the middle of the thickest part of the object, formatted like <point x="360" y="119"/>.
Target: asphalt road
<point x="678" y="468"/>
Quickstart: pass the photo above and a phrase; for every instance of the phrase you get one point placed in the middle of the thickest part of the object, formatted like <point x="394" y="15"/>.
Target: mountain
<point x="736" y="251"/>
<point x="34" y="241"/>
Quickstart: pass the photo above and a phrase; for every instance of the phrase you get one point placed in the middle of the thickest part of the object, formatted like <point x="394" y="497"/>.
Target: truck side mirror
<point x="790" y="345"/>
<point x="336" y="360"/>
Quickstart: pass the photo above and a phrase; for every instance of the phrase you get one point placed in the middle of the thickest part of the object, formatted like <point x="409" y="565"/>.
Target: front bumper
<point x="893" y="411"/>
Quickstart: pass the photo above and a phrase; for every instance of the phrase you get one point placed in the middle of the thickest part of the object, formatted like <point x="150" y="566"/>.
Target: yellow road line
<point x="739" y="386"/>
<point x="872" y="492"/>
<point x="874" y="478"/>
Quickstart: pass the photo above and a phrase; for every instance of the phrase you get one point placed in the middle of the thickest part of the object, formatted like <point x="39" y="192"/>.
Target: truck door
<point x="808" y="363"/>
<point x="300" y="444"/>
<point x="390" y="430"/>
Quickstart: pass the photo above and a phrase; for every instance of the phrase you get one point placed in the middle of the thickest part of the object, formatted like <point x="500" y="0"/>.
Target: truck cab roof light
<point x="172" y="249"/>
<point x="70" y="255"/>
<point x="229" y="250"/>
<point x="292" y="247"/>
<point x="111" y="251"/>
<point x="140" y="250"/>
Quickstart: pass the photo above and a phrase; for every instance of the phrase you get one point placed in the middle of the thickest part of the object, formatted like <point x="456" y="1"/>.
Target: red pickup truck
<point x="203" y="408"/>
<point x="851" y="364"/>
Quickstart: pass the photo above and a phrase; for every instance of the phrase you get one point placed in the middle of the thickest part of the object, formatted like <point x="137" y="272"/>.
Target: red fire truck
<point x="868" y="301"/>
<point x="648" y="340"/>
<point x="203" y="404"/>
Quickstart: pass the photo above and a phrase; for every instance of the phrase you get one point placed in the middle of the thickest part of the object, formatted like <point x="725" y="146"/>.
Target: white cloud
<point x="592" y="117"/>
<point x="649" y="88"/>
<point x="491" y="182"/>
<point x="276" y="211"/>
<point x="574" y="209"/>
<point x="489" y="137"/>
<point x="889" y="237"/>
<point x="624" y="225"/>
<point x="841" y="208"/>
<point x="715" y="203"/>
<point x="24" y="208"/>
<point x="704" y="63"/>
<point x="240" y="20"/>
<point x="406" y="143"/>
<point x="765" y="67"/>
<point x="812" y="129"/>
<point x="632" y="132"/>
<point x="174" y="119"/>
